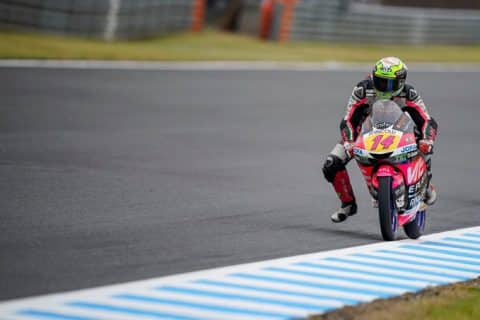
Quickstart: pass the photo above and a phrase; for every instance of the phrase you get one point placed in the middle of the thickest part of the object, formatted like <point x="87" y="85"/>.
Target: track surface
<point x="111" y="176"/>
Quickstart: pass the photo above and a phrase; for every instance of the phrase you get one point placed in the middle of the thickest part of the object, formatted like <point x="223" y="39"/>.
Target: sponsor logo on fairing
<point x="409" y="148"/>
<point x="414" y="173"/>
<point x="358" y="152"/>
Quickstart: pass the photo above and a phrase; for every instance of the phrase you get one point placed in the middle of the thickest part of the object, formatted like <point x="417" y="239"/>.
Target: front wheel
<point x="414" y="228"/>
<point x="387" y="212"/>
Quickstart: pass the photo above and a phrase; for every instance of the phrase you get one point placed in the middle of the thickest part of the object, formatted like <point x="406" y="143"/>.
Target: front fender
<point x="388" y="171"/>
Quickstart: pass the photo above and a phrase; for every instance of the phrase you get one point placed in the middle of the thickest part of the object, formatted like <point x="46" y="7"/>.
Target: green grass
<point x="457" y="302"/>
<point x="217" y="46"/>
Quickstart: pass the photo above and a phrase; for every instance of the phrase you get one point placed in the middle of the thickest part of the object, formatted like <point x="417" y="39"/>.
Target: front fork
<point x="407" y="211"/>
<point x="398" y="185"/>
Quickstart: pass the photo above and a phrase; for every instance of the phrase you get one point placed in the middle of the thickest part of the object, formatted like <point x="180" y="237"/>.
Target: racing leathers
<point x="358" y="108"/>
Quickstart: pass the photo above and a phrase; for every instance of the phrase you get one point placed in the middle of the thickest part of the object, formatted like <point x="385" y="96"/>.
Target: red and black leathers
<point x="363" y="96"/>
<point x="358" y="108"/>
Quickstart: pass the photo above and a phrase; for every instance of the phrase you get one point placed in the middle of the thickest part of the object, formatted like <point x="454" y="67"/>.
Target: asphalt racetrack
<point x="110" y="176"/>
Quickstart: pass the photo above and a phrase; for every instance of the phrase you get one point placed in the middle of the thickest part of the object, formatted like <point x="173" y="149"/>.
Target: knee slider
<point x="332" y="166"/>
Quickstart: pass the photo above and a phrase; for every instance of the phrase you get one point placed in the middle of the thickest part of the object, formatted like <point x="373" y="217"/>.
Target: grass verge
<point x="455" y="302"/>
<point x="218" y="46"/>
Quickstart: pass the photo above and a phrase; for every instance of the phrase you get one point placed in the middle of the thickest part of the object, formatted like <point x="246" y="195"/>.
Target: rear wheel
<point x="387" y="212"/>
<point x="414" y="228"/>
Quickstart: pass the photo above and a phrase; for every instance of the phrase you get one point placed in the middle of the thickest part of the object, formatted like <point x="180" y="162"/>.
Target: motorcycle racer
<point x="387" y="81"/>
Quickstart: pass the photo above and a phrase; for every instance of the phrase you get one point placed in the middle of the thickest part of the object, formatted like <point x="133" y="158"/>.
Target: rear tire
<point x="414" y="229"/>
<point x="386" y="209"/>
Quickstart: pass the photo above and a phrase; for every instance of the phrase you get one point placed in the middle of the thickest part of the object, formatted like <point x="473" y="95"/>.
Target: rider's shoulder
<point x="363" y="89"/>
<point x="409" y="92"/>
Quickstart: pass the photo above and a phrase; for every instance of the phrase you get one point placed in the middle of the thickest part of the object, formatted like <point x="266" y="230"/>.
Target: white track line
<point x="225" y="66"/>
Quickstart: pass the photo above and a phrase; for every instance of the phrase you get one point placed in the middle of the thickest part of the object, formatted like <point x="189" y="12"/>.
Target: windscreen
<point x="385" y="113"/>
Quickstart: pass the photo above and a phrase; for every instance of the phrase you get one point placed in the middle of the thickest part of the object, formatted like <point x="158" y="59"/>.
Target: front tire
<point x="387" y="213"/>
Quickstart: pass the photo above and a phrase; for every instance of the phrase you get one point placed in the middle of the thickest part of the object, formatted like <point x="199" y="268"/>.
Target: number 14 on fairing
<point x="382" y="142"/>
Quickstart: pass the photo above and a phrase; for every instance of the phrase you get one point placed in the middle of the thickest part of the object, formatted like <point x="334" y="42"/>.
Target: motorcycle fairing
<point x="387" y="147"/>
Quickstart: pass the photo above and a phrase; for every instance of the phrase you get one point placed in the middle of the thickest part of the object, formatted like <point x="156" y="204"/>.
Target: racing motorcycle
<point x="394" y="169"/>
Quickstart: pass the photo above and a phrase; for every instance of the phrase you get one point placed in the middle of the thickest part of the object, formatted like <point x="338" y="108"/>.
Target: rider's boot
<point x="346" y="210"/>
<point x="344" y="190"/>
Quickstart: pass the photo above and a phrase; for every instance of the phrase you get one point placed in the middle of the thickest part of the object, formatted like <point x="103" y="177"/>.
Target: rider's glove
<point x="348" y="145"/>
<point x="426" y="146"/>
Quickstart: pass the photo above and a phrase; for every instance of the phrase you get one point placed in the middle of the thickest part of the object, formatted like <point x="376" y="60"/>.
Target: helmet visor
<point x="386" y="85"/>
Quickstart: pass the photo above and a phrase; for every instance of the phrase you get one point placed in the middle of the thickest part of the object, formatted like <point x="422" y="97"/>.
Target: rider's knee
<point x="332" y="166"/>
<point x="340" y="152"/>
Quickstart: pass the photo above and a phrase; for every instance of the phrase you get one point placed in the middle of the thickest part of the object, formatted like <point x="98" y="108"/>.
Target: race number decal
<point x="382" y="142"/>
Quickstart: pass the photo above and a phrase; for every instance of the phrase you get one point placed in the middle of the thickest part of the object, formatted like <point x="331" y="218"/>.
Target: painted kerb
<point x="287" y="288"/>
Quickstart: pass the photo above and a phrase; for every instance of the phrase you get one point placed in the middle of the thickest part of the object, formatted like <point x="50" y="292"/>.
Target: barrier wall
<point x="309" y="20"/>
<point x="108" y="19"/>
<point x="350" y="21"/>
